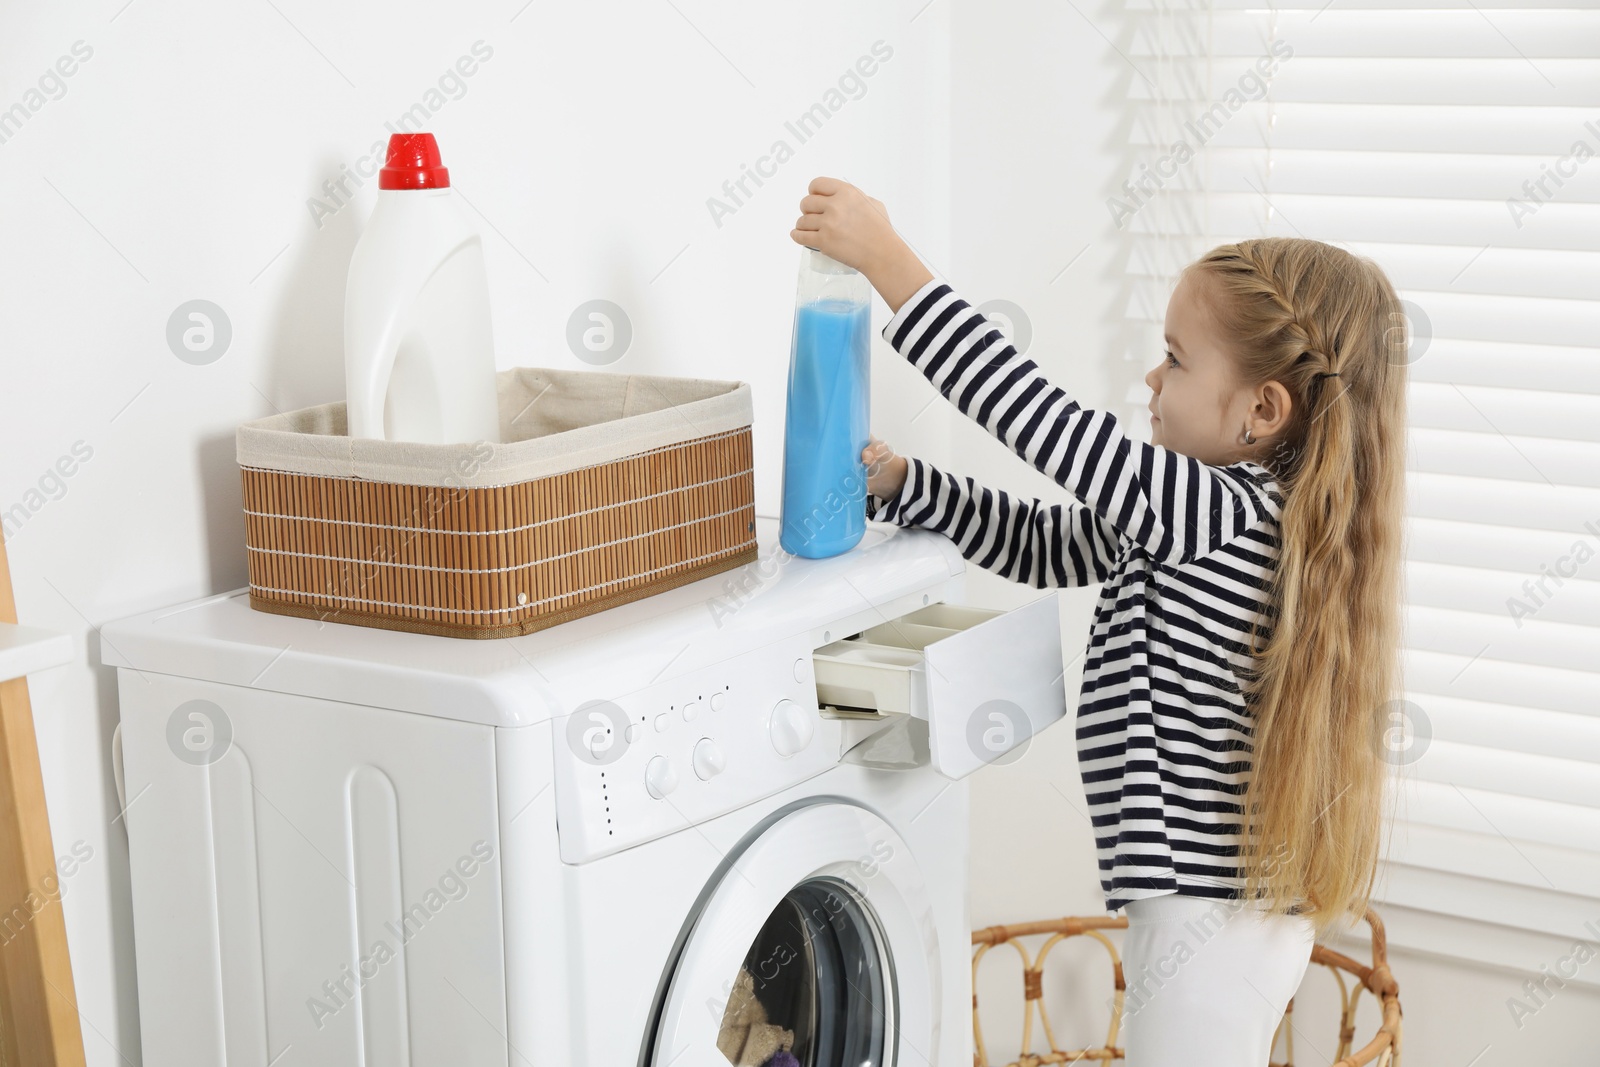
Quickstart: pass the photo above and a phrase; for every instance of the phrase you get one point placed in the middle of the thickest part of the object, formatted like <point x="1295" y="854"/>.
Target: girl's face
<point x="1197" y="408"/>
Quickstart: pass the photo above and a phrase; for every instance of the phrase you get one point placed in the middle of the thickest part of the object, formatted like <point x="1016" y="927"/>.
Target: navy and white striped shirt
<point x="1186" y="552"/>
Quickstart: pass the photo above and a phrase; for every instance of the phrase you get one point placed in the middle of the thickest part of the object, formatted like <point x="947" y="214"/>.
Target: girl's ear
<point x="1272" y="409"/>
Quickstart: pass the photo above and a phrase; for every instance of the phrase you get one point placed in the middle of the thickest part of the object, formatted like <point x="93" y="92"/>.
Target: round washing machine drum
<point x="819" y="943"/>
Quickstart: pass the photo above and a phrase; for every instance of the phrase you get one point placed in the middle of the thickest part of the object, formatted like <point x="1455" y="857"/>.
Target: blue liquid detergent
<point x="824" y="479"/>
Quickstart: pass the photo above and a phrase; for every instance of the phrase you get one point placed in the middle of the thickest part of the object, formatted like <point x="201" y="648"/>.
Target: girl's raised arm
<point x="1173" y="505"/>
<point x="1020" y="539"/>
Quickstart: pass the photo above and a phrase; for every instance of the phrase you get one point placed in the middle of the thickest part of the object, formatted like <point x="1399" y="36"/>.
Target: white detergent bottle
<point x="418" y="342"/>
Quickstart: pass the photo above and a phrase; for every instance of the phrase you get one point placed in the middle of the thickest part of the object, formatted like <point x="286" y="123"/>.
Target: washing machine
<point x="720" y="825"/>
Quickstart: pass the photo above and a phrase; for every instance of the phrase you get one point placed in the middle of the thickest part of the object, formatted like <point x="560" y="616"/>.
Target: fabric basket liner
<point x="552" y="420"/>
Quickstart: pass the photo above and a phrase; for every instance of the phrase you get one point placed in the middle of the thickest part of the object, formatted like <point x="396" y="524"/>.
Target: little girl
<point x="1244" y="651"/>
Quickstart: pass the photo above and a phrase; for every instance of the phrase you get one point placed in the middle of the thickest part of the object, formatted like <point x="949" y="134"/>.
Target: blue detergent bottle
<point x="825" y="425"/>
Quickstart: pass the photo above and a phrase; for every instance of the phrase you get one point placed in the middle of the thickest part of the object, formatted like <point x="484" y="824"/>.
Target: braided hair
<point x="1325" y="670"/>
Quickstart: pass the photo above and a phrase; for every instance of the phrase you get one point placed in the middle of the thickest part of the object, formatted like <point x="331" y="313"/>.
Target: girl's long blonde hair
<point x="1324" y="687"/>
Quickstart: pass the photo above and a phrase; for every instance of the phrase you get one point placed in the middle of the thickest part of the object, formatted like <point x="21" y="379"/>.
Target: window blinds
<point x="1458" y="145"/>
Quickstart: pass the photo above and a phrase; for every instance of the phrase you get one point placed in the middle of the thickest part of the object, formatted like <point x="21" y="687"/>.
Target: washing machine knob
<point x="708" y="759"/>
<point x="791" y="727"/>
<point x="718" y="700"/>
<point x="659" y="777"/>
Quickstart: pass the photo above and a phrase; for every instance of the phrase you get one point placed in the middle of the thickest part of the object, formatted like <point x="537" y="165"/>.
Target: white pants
<point x="1207" y="980"/>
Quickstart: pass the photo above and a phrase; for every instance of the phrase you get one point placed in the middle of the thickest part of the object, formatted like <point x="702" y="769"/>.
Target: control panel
<point x="658" y="760"/>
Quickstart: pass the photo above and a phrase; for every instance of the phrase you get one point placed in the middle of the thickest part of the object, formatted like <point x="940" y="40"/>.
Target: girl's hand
<point x="841" y="221"/>
<point x="886" y="471"/>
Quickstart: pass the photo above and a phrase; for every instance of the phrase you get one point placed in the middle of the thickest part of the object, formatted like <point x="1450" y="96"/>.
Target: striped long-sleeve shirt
<point x="1186" y="552"/>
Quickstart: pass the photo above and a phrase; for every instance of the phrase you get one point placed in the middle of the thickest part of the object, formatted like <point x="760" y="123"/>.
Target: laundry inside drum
<point x="815" y="989"/>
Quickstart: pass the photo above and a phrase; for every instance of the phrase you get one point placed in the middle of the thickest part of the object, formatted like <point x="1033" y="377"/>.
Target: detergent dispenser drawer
<point x="986" y="681"/>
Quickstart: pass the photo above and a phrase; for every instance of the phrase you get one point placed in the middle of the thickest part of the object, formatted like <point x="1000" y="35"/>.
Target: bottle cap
<point x="412" y="162"/>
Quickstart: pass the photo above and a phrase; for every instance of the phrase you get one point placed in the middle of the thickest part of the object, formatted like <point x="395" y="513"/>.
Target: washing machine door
<point x="818" y="941"/>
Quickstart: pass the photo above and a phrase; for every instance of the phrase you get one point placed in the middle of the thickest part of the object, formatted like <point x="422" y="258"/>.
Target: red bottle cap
<point x="413" y="163"/>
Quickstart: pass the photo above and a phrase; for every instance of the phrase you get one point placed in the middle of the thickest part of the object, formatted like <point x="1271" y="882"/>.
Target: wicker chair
<point x="1382" y="1051"/>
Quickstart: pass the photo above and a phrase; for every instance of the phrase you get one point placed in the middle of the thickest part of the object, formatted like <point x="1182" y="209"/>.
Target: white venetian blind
<point x="1401" y="131"/>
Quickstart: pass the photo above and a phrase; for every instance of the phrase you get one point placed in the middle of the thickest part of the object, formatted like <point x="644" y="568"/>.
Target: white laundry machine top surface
<point x="519" y="681"/>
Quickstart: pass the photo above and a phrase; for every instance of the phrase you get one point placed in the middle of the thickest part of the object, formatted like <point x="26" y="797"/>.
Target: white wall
<point x="177" y="164"/>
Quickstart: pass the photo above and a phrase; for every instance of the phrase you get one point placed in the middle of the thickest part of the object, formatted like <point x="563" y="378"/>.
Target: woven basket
<point x="1382" y="1050"/>
<point x="609" y="488"/>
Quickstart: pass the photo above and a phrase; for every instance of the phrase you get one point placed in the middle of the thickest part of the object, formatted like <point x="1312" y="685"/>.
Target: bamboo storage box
<point x="609" y="488"/>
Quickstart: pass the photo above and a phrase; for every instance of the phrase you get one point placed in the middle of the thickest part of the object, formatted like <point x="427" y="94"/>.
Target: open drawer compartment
<point x="986" y="681"/>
